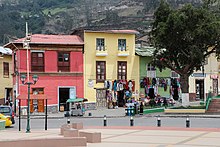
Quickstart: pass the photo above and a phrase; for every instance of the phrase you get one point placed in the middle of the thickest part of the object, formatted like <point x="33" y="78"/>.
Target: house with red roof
<point x="58" y="62"/>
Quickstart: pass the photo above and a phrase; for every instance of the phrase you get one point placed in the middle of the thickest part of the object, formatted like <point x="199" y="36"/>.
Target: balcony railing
<point x="123" y="51"/>
<point x="101" y="51"/>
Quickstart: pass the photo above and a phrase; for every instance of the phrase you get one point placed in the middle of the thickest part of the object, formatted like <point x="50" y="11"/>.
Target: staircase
<point x="214" y="106"/>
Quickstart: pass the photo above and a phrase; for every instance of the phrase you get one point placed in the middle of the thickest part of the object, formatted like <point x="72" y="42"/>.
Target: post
<point x="46" y="116"/>
<point x="187" y="122"/>
<point x="105" y="120"/>
<point x="28" y="109"/>
<point x="19" y="115"/>
<point x="158" y="121"/>
<point x="68" y="120"/>
<point x="131" y="121"/>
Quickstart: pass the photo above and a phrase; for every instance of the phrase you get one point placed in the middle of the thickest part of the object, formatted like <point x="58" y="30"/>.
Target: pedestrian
<point x="141" y="108"/>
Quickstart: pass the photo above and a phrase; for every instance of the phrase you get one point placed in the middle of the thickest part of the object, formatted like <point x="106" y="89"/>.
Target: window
<point x="36" y="91"/>
<point x="6" y="69"/>
<point x="122" y="44"/>
<point x="63" y="61"/>
<point x="174" y="74"/>
<point x="100" y="71"/>
<point x="150" y="67"/>
<point x="37" y="61"/>
<point x="100" y="44"/>
<point x="122" y="70"/>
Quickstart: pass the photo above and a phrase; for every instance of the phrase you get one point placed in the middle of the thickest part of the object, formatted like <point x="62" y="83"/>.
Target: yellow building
<point x="109" y="56"/>
<point x="5" y="75"/>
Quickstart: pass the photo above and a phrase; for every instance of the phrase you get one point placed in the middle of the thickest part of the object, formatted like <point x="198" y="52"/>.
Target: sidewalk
<point x="132" y="136"/>
<point x="120" y="112"/>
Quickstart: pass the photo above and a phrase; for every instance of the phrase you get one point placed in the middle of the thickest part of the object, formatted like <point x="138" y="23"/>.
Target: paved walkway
<point x="120" y="112"/>
<point x="134" y="136"/>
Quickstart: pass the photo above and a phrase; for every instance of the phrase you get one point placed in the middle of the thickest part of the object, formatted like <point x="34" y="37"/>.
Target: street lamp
<point x="35" y="79"/>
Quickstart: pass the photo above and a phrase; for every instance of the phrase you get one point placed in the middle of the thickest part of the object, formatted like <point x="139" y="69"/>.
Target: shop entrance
<point x="215" y="87"/>
<point x="8" y="95"/>
<point x="63" y="97"/>
<point x="199" y="89"/>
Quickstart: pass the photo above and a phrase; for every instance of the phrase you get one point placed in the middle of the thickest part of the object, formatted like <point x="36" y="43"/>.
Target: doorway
<point x="199" y="89"/>
<point x="8" y="95"/>
<point x="215" y="86"/>
<point x="63" y="97"/>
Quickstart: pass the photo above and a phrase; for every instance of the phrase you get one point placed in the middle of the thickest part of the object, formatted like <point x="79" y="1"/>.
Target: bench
<point x="77" y="126"/>
<point x="92" y="137"/>
<point x="70" y="133"/>
<point x="47" y="142"/>
<point x="64" y="127"/>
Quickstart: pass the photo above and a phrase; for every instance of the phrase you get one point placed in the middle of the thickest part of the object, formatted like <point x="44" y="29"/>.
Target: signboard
<point x="214" y="76"/>
<point x="198" y="75"/>
<point x="73" y="93"/>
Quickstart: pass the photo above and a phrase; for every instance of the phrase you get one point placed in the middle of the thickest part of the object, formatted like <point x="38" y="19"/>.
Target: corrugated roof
<point x="6" y="51"/>
<point x="53" y="39"/>
<point x="145" y="51"/>
<point x="115" y="31"/>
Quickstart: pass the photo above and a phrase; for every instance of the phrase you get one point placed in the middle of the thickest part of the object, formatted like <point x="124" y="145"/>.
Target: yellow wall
<point x="5" y="82"/>
<point x="111" y="44"/>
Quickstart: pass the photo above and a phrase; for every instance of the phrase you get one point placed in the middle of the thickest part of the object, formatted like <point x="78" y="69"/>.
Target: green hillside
<point x="63" y="16"/>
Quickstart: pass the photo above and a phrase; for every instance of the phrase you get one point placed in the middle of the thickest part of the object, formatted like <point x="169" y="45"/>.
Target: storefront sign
<point x="198" y="75"/>
<point x="214" y="76"/>
<point x="72" y="93"/>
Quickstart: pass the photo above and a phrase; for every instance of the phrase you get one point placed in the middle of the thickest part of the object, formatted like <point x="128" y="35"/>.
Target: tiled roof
<point x="53" y="39"/>
<point x="115" y="31"/>
<point x="145" y="51"/>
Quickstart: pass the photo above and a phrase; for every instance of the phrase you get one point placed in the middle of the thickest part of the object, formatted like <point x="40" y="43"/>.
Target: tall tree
<point x="184" y="38"/>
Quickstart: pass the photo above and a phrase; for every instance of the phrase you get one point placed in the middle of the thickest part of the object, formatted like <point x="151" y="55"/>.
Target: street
<point x="122" y="121"/>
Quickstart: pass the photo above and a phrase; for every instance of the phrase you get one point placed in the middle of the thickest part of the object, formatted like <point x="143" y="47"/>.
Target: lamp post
<point x="35" y="79"/>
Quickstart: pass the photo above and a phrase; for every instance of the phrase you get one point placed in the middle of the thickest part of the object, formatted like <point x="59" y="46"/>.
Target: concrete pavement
<point x="120" y="112"/>
<point x="133" y="136"/>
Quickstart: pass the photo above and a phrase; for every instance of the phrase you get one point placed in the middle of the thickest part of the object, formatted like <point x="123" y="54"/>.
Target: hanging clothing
<point x="130" y="85"/>
<point x="115" y="85"/>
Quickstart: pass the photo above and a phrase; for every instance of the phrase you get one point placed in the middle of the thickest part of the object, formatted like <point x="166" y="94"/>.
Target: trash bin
<point x="130" y="111"/>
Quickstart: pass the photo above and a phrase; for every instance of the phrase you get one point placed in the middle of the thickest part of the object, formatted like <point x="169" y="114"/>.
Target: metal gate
<point x="101" y="100"/>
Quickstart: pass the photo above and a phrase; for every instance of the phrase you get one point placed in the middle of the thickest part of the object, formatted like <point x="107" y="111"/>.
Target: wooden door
<point x="31" y="106"/>
<point x="40" y="103"/>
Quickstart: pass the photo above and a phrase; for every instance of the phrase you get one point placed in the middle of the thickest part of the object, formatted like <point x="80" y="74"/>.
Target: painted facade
<point x="200" y="84"/>
<point x="148" y="71"/>
<point x="58" y="62"/>
<point x="105" y="47"/>
<point x="6" y="92"/>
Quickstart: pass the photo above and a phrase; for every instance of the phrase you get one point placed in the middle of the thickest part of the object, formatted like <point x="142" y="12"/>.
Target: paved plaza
<point x="133" y="136"/>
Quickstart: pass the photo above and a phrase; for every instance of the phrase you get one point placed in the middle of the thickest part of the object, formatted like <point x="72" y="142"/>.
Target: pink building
<point x="58" y="62"/>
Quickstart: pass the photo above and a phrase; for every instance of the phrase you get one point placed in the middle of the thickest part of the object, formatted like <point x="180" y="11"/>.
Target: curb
<point x="137" y="116"/>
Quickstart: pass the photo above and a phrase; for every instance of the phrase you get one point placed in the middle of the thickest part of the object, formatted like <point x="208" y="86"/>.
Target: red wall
<point x="50" y="83"/>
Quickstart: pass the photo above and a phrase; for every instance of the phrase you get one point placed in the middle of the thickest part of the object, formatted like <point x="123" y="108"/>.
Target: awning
<point x="75" y="100"/>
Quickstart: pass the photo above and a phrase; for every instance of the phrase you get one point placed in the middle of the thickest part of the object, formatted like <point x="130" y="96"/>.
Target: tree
<point x="183" y="39"/>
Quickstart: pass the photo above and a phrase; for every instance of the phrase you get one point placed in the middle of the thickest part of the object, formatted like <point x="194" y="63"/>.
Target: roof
<point x="114" y="31"/>
<point x="145" y="51"/>
<point x="53" y="39"/>
<point x="5" y="51"/>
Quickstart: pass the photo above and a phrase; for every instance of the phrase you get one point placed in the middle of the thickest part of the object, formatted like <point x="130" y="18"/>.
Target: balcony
<point x="123" y="51"/>
<point x="101" y="51"/>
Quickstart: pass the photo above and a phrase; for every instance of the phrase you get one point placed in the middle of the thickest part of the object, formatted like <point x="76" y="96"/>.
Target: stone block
<point x="91" y="137"/>
<point x="77" y="126"/>
<point x="64" y="127"/>
<point x="70" y="133"/>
